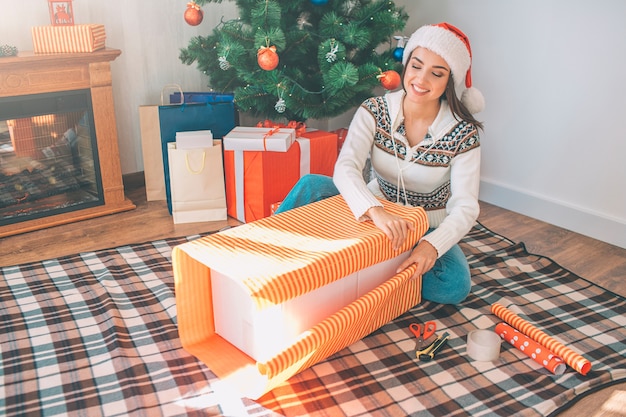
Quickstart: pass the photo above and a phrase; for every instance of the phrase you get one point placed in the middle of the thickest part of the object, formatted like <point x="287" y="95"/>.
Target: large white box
<point x="261" y="334"/>
<point x="279" y="279"/>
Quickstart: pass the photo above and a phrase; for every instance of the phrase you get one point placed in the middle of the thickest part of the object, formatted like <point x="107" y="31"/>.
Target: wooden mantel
<point x="30" y="73"/>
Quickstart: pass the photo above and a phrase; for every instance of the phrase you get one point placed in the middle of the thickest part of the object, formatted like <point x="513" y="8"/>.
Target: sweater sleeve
<point x="462" y="207"/>
<point x="348" y="174"/>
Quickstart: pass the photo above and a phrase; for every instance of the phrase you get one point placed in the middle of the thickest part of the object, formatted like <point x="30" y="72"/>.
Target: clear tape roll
<point x="483" y="345"/>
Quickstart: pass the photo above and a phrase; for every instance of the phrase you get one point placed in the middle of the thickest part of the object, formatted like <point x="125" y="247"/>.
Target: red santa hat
<point x="453" y="46"/>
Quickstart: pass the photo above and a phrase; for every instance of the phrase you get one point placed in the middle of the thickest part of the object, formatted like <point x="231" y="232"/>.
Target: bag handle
<point x="173" y="87"/>
<point x="189" y="166"/>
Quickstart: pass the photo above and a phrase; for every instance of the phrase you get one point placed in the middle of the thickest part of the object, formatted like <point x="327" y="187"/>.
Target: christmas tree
<point x="301" y="59"/>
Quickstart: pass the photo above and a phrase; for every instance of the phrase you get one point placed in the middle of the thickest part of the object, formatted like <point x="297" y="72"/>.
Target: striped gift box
<point x="68" y="39"/>
<point x="286" y="283"/>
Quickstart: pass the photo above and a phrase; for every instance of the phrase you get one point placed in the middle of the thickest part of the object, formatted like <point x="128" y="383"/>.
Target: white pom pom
<point x="473" y="99"/>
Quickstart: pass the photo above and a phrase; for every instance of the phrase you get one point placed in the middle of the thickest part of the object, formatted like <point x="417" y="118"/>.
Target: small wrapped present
<point x="277" y="139"/>
<point x="256" y="179"/>
<point x="68" y="39"/>
<point x="318" y="152"/>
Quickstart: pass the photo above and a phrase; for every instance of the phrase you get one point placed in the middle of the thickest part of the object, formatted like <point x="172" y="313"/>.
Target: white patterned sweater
<point x="440" y="174"/>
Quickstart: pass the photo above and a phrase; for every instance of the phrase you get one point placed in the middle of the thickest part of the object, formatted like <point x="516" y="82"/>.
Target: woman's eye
<point x="438" y="74"/>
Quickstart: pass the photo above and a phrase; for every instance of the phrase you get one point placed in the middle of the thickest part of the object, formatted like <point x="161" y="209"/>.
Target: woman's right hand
<point x="395" y="227"/>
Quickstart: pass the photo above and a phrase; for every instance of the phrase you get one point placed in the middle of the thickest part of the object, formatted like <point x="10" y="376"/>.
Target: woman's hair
<point x="458" y="109"/>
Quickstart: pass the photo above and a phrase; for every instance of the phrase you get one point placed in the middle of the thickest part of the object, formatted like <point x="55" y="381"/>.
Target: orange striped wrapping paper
<point x="266" y="257"/>
<point x="68" y="39"/>
<point x="573" y="359"/>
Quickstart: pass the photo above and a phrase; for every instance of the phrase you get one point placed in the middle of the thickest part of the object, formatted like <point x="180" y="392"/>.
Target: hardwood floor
<point x="596" y="261"/>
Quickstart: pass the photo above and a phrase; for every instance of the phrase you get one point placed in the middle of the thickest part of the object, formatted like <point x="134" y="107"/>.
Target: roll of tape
<point x="483" y="345"/>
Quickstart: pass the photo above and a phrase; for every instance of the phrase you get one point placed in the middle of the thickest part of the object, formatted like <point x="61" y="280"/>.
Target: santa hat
<point x="453" y="46"/>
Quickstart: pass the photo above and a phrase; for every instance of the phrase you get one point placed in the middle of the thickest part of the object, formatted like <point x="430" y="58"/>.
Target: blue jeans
<point x="448" y="282"/>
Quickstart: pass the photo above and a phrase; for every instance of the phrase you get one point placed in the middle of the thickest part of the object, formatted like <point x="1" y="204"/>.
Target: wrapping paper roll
<point x="534" y="350"/>
<point x="573" y="359"/>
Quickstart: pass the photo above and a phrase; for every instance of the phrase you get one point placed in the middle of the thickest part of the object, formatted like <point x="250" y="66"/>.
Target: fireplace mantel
<point x="30" y="73"/>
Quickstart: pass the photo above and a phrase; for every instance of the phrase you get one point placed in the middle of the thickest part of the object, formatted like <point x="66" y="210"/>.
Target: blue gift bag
<point x="223" y="104"/>
<point x="216" y="113"/>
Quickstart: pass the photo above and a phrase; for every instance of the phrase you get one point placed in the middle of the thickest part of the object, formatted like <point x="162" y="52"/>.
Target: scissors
<point x="429" y="330"/>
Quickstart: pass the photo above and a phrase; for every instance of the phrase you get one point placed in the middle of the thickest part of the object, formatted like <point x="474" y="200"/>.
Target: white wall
<point x="552" y="75"/>
<point x="551" y="72"/>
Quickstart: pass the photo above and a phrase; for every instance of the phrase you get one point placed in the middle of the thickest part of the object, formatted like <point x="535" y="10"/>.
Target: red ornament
<point x="267" y="57"/>
<point x="390" y="80"/>
<point x="193" y="14"/>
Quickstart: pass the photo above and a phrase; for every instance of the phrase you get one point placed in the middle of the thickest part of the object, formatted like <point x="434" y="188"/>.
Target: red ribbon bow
<point x="300" y="127"/>
<point x="267" y="135"/>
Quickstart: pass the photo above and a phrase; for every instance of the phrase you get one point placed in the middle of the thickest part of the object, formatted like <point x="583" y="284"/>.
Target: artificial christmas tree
<point x="300" y="59"/>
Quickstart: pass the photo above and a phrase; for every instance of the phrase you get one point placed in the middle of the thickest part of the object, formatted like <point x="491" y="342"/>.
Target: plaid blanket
<point x="95" y="334"/>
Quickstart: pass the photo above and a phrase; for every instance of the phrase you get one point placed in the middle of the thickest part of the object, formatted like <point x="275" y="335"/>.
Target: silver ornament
<point x="332" y="55"/>
<point x="223" y="62"/>
<point x="280" y="106"/>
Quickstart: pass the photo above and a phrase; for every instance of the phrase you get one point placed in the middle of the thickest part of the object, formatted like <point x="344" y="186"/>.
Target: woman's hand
<point x="396" y="228"/>
<point x="423" y="256"/>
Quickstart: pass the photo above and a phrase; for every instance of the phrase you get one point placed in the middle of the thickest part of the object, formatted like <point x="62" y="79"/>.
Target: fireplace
<point x="59" y="160"/>
<point x="48" y="156"/>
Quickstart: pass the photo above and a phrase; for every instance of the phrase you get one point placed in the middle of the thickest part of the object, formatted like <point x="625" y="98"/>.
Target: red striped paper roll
<point x="540" y="354"/>
<point x="573" y="359"/>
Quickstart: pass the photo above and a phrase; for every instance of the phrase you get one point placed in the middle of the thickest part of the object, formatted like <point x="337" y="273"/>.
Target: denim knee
<point x="449" y="281"/>
<point x="308" y="189"/>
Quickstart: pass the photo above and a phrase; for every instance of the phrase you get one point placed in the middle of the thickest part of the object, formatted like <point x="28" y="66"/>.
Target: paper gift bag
<point x="159" y="124"/>
<point x="197" y="184"/>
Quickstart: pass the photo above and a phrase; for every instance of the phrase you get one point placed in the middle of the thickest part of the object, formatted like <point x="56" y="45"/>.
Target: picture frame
<point x="61" y="12"/>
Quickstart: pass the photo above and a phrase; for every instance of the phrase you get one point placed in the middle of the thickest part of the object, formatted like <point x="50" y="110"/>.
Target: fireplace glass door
<point x="48" y="156"/>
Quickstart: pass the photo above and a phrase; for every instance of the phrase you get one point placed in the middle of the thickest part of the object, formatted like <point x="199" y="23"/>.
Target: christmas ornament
<point x="223" y="63"/>
<point x="399" y="51"/>
<point x="332" y="55"/>
<point x="8" y="50"/>
<point x="280" y="105"/>
<point x="390" y="80"/>
<point x="267" y="57"/>
<point x="319" y="2"/>
<point x="303" y="20"/>
<point x="193" y="14"/>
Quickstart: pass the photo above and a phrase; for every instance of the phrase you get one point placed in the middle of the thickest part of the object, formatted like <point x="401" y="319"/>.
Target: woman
<point x="424" y="147"/>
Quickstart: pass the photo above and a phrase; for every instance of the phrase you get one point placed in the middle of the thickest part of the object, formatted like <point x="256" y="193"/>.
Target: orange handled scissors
<point x="429" y="329"/>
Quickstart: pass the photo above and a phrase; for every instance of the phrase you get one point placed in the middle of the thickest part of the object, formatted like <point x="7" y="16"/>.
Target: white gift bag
<point x="197" y="184"/>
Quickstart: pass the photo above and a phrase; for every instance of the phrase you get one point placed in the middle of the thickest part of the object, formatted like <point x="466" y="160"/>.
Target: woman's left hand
<point x="423" y="256"/>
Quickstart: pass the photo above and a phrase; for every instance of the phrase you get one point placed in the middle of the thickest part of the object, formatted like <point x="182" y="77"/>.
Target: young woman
<point x="423" y="144"/>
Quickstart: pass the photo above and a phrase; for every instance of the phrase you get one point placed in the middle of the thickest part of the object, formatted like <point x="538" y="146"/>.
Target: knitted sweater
<point x="440" y="174"/>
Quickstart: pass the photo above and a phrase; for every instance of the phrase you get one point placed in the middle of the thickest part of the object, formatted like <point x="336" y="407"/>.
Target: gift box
<point x="259" y="139"/>
<point x="260" y="302"/>
<point x="318" y="152"/>
<point x="68" y="39"/>
<point x="256" y="179"/>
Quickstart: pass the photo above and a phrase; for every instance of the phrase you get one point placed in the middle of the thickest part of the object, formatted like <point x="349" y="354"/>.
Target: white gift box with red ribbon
<point x="313" y="152"/>
<point x="277" y="139"/>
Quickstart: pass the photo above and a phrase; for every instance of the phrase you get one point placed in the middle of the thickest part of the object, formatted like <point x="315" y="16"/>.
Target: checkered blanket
<point x="95" y="334"/>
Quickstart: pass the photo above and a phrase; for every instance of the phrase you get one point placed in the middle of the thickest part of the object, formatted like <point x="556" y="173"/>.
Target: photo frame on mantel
<point x="61" y="13"/>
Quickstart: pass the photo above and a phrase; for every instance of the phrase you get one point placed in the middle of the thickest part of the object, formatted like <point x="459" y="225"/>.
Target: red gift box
<point x="255" y="180"/>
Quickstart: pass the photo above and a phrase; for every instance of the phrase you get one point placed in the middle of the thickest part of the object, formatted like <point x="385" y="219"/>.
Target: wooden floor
<point x="596" y="261"/>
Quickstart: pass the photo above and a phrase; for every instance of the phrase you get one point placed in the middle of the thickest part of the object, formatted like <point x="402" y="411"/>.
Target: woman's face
<point x="425" y="76"/>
